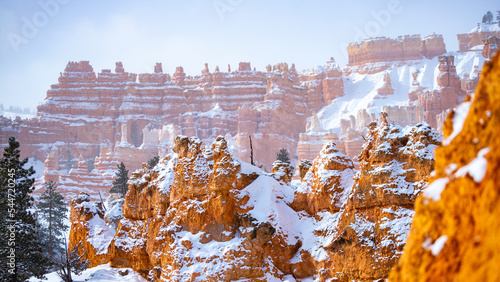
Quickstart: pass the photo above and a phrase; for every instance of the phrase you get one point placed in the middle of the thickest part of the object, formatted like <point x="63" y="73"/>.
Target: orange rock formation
<point x="454" y="236"/>
<point x="368" y="223"/>
<point x="383" y="49"/>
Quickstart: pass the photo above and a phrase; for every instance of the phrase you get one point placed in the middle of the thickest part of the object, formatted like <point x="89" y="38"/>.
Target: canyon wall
<point x="88" y="110"/>
<point x="476" y="36"/>
<point x="201" y="214"/>
<point x="454" y="236"/>
<point x="383" y="49"/>
<point x="364" y="217"/>
<point x="114" y="116"/>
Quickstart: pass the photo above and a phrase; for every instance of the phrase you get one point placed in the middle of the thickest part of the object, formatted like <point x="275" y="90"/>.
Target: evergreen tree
<point x="153" y="162"/>
<point x="484" y="19"/>
<point x="69" y="161"/>
<point x="283" y="156"/>
<point x="489" y="17"/>
<point x="52" y="211"/>
<point x="120" y="183"/>
<point x="21" y="255"/>
<point x="498" y="17"/>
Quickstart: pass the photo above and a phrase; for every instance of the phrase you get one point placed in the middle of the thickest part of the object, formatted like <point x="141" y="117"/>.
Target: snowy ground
<point x="99" y="273"/>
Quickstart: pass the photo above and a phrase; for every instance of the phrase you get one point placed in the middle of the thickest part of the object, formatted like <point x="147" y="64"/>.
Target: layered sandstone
<point x="383" y="49"/>
<point x="363" y="221"/>
<point x="447" y="96"/>
<point x="490" y="46"/>
<point x="202" y="215"/>
<point x="454" y="236"/>
<point x="90" y="234"/>
<point x="476" y="36"/>
<point x="135" y="117"/>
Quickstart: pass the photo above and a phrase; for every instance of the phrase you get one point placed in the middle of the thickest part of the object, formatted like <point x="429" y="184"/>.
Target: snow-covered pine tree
<point x="120" y="183"/>
<point x="283" y="156"/>
<point x="21" y="253"/>
<point x="52" y="212"/>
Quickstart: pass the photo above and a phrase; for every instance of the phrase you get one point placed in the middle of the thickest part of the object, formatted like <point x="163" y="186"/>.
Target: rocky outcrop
<point x="476" y="36"/>
<point x="327" y="183"/>
<point x="454" y="236"/>
<point x="201" y="214"/>
<point x="447" y="96"/>
<point x="137" y="116"/>
<point x="490" y="46"/>
<point x="91" y="228"/>
<point x="383" y="49"/>
<point x="363" y="221"/>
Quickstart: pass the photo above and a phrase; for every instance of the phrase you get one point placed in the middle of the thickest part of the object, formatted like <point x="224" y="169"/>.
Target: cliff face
<point x="476" y="36"/>
<point x="118" y="116"/>
<point x="91" y="228"/>
<point x="369" y="215"/>
<point x="382" y="49"/>
<point x="454" y="236"/>
<point x="203" y="215"/>
<point x="109" y="116"/>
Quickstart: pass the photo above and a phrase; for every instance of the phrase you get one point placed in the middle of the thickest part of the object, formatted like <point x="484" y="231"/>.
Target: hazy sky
<point x="39" y="37"/>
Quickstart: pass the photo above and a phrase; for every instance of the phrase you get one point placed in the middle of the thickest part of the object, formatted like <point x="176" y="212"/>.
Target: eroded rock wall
<point x="454" y="236"/>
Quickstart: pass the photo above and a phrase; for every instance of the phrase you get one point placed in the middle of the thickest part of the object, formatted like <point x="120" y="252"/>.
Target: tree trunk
<point x="251" y="150"/>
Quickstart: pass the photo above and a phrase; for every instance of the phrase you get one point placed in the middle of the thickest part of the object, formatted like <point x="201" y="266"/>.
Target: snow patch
<point x="437" y="246"/>
<point x="476" y="168"/>
<point x="461" y="113"/>
<point x="433" y="191"/>
<point x="100" y="273"/>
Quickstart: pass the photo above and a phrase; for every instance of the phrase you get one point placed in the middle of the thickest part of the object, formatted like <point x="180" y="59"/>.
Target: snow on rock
<point x="100" y="273"/>
<point x="90" y="233"/>
<point x="476" y="168"/>
<point x="467" y="209"/>
<point x="433" y="191"/>
<point x="435" y="247"/>
<point x="202" y="214"/>
<point x="459" y="116"/>
<point x="370" y="229"/>
<point x="327" y="183"/>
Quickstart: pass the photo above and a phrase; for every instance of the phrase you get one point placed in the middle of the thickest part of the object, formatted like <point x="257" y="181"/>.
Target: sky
<point x="39" y="37"/>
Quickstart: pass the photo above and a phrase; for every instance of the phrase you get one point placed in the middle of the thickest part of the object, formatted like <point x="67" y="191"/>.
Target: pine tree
<point x="120" y="183"/>
<point x="153" y="162"/>
<point x="484" y="19"/>
<point x="489" y="17"/>
<point x="21" y="255"/>
<point x="498" y="17"/>
<point x="52" y="211"/>
<point x="283" y="156"/>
